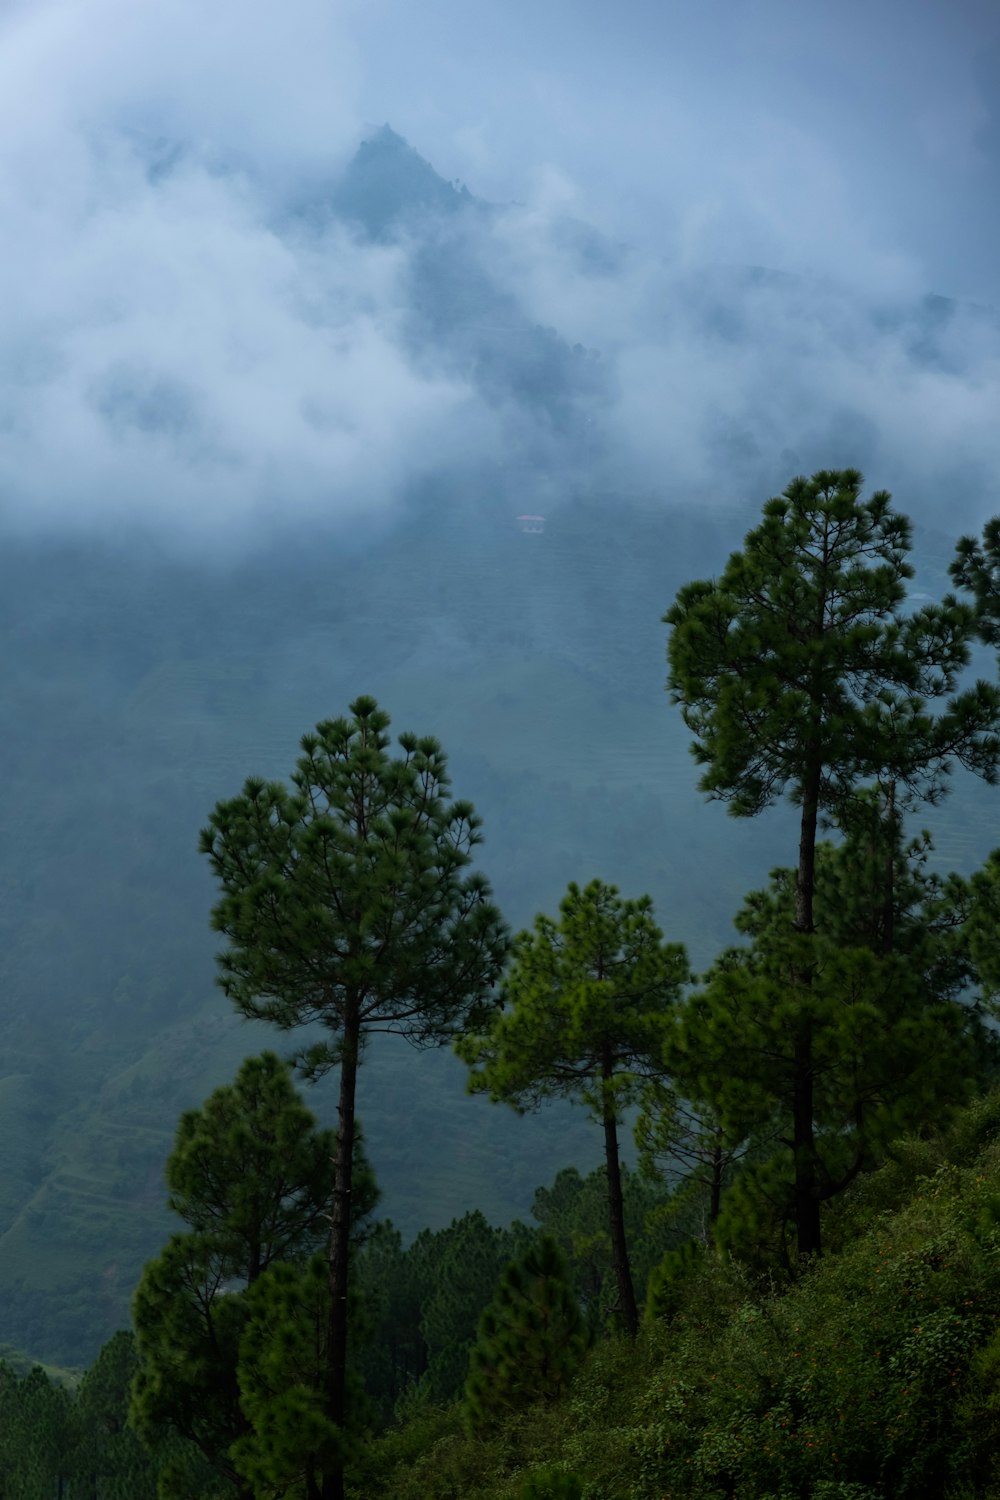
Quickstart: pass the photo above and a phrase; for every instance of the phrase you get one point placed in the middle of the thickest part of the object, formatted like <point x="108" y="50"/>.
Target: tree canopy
<point x="588" y="999"/>
<point x="250" y="1175"/>
<point x="800" y="670"/>
<point x="348" y="904"/>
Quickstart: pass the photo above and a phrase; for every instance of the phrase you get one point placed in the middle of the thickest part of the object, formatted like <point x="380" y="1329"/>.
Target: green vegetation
<point x="348" y="906"/>
<point x="587" y="1001"/>
<point x="530" y="1342"/>
<point x="815" y="1230"/>
<point x="798" y="671"/>
<point x="249" y="1175"/>
<point x="874" y="1375"/>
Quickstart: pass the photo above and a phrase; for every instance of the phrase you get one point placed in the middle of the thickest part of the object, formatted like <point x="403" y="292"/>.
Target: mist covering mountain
<point x="344" y="482"/>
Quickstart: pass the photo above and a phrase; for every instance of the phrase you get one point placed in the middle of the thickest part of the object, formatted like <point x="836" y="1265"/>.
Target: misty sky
<point x="171" y="346"/>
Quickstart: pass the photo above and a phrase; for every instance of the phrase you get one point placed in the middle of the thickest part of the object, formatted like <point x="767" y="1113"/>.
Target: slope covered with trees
<point x="814" y="1241"/>
<point x="141" y="682"/>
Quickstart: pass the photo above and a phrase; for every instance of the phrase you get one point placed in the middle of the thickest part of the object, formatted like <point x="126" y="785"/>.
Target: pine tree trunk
<point x="889" y="897"/>
<point x="805" y="883"/>
<point x="339" y="1244"/>
<point x="616" y="1213"/>
<point x="807" y="1220"/>
<point x="715" y="1196"/>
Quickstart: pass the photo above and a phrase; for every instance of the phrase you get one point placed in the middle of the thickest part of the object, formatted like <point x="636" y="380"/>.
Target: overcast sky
<point x="858" y="136"/>
<point x="850" y="140"/>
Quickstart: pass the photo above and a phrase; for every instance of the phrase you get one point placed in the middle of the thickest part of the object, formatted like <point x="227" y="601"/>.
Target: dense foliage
<point x="799" y="672"/>
<point x="288" y="1349"/>
<point x="588" y="1000"/>
<point x="349" y="906"/>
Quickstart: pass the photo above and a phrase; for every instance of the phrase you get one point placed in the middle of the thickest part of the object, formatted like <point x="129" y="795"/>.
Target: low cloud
<point x="195" y="340"/>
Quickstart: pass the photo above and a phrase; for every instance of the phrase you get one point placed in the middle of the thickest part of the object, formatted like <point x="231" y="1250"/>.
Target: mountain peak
<point x="388" y="182"/>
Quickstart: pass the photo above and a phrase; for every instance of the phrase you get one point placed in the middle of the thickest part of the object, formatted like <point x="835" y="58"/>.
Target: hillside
<point x="141" y="679"/>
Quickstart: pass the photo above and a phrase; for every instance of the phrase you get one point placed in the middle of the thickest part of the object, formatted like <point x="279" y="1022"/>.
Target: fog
<point x="692" y="258"/>
<point x="275" y="379"/>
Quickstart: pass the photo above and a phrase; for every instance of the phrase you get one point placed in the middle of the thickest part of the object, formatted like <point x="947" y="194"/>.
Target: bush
<point x="552" y="1484"/>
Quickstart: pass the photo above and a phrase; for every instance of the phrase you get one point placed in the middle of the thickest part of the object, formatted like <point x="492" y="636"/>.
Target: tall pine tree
<point x="348" y="903"/>
<point x="589" y="998"/>
<point x="800" y="673"/>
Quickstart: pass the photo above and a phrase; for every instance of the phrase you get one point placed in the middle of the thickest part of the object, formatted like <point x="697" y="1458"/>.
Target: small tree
<point x="976" y="568"/>
<point x="688" y="1145"/>
<point x="291" y="1444"/>
<point x="892" y="1046"/>
<point x="249" y="1175"/>
<point x="250" y="1167"/>
<point x="531" y="1338"/>
<point x="347" y="903"/>
<point x="799" y="672"/>
<point x="588" y="1000"/>
<point x="116" y="1464"/>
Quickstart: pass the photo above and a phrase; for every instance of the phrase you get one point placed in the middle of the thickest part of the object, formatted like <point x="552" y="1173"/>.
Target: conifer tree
<point x="574" y="1211"/>
<point x="800" y="673"/>
<point x="976" y="568"/>
<point x="347" y="902"/>
<point x="391" y="1354"/>
<point x="113" y="1463"/>
<point x="249" y="1174"/>
<point x="291" y="1446"/>
<point x="688" y="1144"/>
<point x="892" y="1044"/>
<point x="463" y="1269"/>
<point x="250" y="1167"/>
<point x="531" y="1338"/>
<point x="39" y="1436"/>
<point x="588" y="1000"/>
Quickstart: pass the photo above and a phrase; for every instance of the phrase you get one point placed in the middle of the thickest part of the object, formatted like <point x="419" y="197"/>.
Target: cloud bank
<point x="196" y="337"/>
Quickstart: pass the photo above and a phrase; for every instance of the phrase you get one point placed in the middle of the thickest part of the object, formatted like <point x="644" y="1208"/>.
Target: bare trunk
<point x="807" y="1221"/>
<point x="805" y="884"/>
<point x="339" y="1244"/>
<point x="616" y="1213"/>
<point x="807" y="1194"/>
<point x="889" y="897"/>
<point x="718" y="1166"/>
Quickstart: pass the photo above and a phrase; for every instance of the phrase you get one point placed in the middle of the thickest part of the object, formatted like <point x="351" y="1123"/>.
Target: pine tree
<point x="249" y="1174"/>
<point x="112" y="1463"/>
<point x="893" y="1044"/>
<point x="461" y="1272"/>
<point x="531" y="1338"/>
<point x="976" y="568"/>
<point x="588" y="1001"/>
<point x="574" y="1211"/>
<point x="800" y="673"/>
<point x="347" y="903"/>
<point x="688" y="1144"/>
<point x="39" y="1436"/>
<point x="390" y="1351"/>
<point x="291" y="1445"/>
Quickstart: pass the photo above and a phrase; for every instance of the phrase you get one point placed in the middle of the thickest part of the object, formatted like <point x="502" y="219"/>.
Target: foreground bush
<point x="875" y="1377"/>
